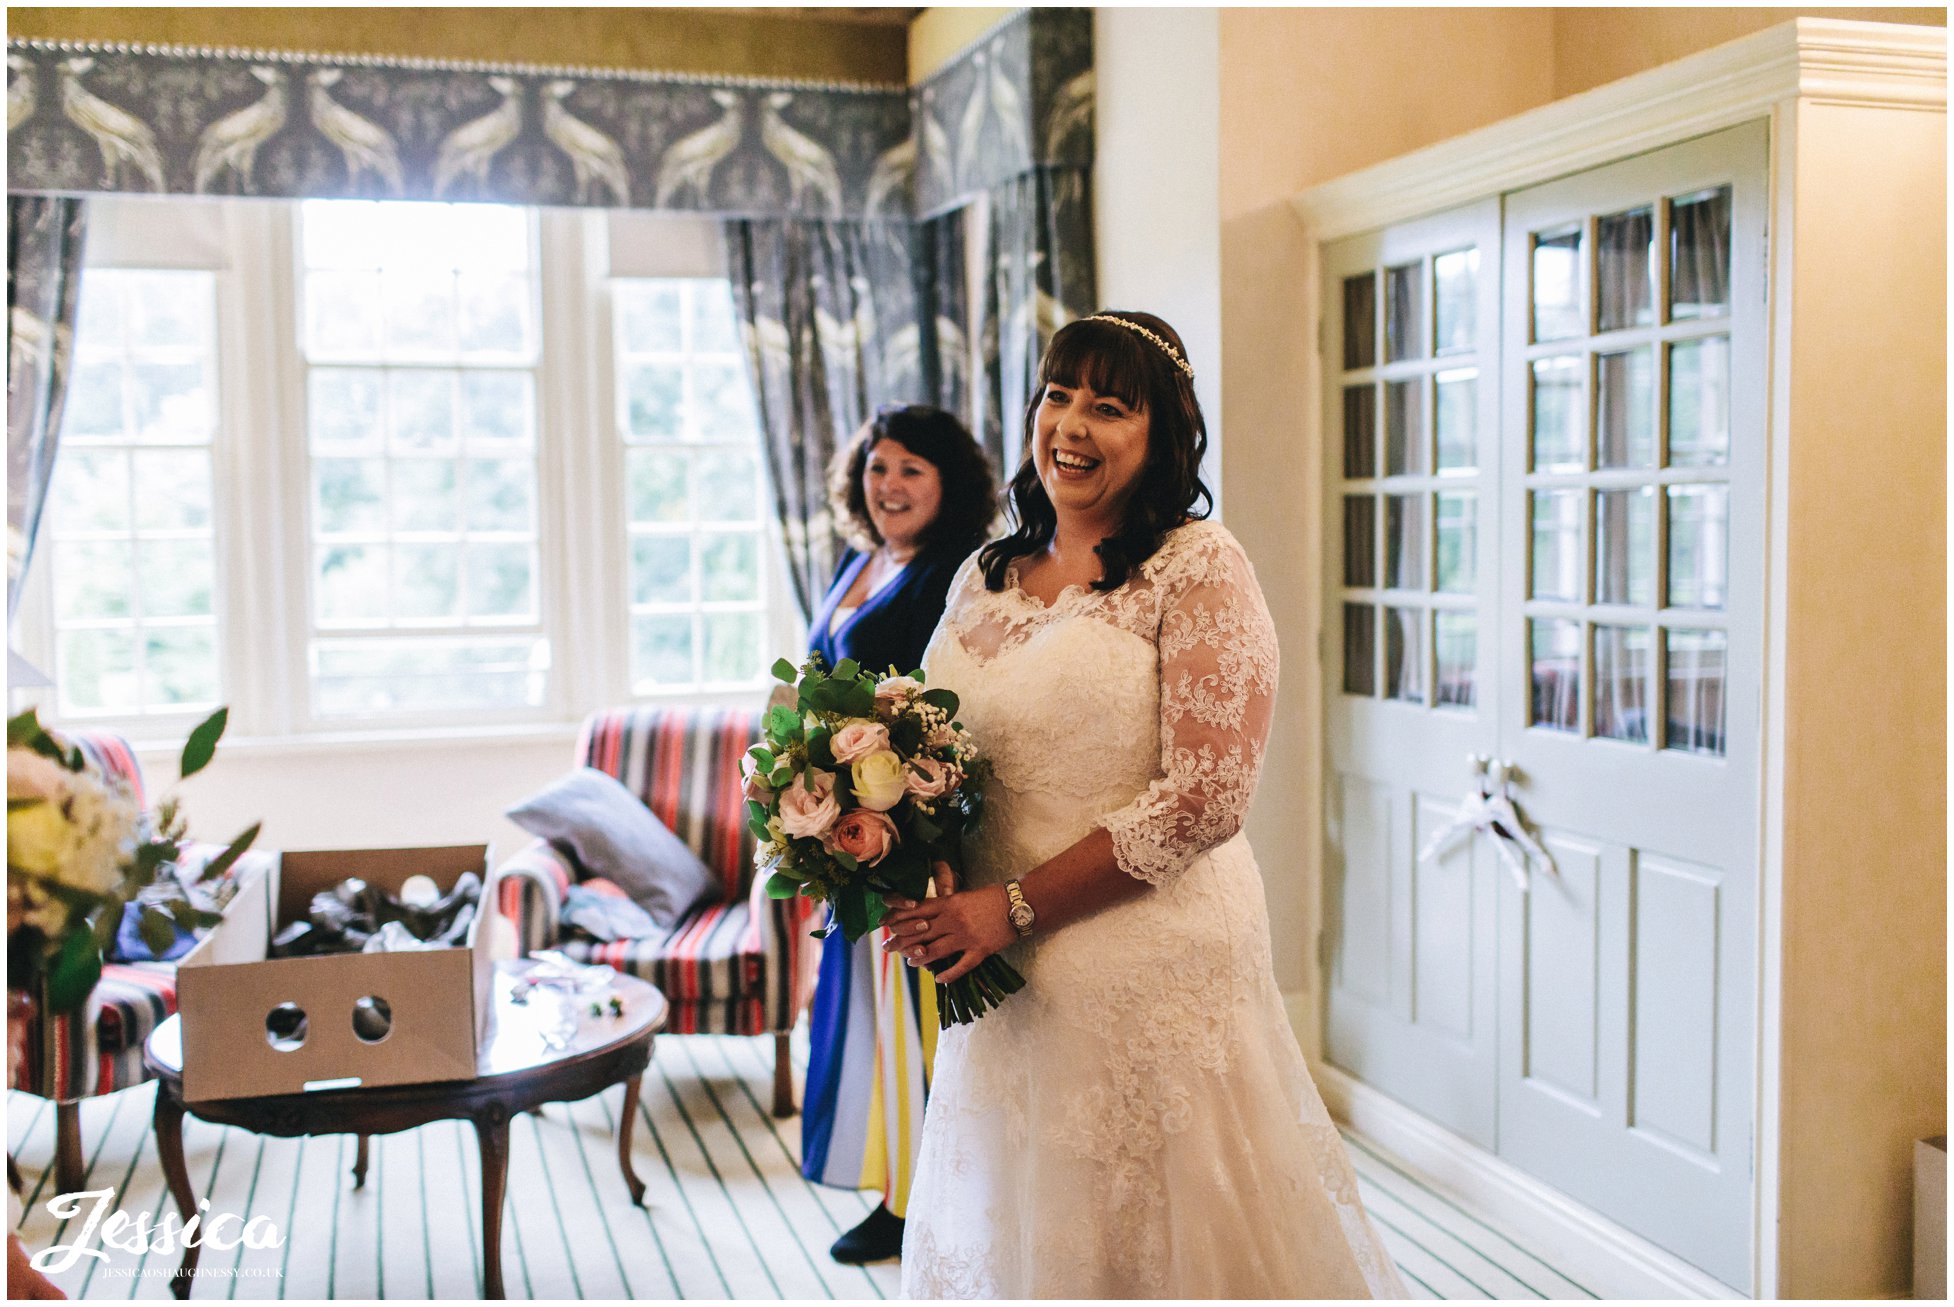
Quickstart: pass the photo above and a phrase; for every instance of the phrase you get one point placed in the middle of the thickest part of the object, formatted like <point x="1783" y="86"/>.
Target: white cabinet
<point x="1580" y="448"/>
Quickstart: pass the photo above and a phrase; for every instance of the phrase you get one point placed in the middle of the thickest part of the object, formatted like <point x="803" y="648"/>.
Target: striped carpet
<point x="727" y="1214"/>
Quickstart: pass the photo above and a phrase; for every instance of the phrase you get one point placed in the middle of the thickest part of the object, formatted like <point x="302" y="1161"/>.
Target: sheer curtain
<point x="45" y="234"/>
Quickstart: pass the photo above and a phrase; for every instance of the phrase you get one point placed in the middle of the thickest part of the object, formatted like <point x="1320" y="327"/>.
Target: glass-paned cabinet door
<point x="1411" y="326"/>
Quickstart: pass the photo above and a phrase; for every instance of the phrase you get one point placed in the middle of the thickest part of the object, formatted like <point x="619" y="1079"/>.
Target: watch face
<point x="1021" y="916"/>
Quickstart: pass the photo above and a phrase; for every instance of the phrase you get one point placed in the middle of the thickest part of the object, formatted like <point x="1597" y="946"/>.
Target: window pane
<point x="1625" y="434"/>
<point x="427" y="582"/>
<point x="350" y="495"/>
<point x="729" y="486"/>
<point x="1455" y="415"/>
<point x="501" y="494"/>
<point x="497" y="406"/>
<point x="1699" y="527"/>
<point x="180" y="667"/>
<point x="1455" y="300"/>
<point x="92" y="579"/>
<point x="93" y="406"/>
<point x="1359" y="431"/>
<point x="1622" y="661"/>
<point x="100" y="317"/>
<point x="729" y="568"/>
<point x="1699" y="402"/>
<point x="1404" y="542"/>
<point x="170" y="401"/>
<point x="1359" y="649"/>
<point x="501" y="581"/>
<point x="1625" y="270"/>
<point x="176" y="577"/>
<point x="423" y="410"/>
<point x="419" y="311"/>
<point x="661" y="649"/>
<point x="1457" y="646"/>
<point x="1404" y="323"/>
<point x="494" y="314"/>
<point x="1699" y="254"/>
<point x="1556" y="648"/>
<point x="1359" y="321"/>
<point x="661" y="570"/>
<point x="489" y="236"/>
<point x="1404" y="654"/>
<point x="648" y="317"/>
<point x="1696" y="676"/>
<point x="732" y="647"/>
<point x="425" y="495"/>
<point x="352" y="584"/>
<point x="1404" y="428"/>
<point x="90" y="492"/>
<point x="657" y="485"/>
<point x="343" y="409"/>
<point x="1560" y="418"/>
<point x="1458" y="513"/>
<point x="366" y="677"/>
<point x="712" y="318"/>
<point x="724" y="401"/>
<point x="654" y="397"/>
<point x="1359" y="540"/>
<point x="1557" y="276"/>
<point x="1624" y="546"/>
<point x="170" y="309"/>
<point x="96" y="671"/>
<point x="341" y="233"/>
<point x="175" y="489"/>
<point x="1558" y="559"/>
<point x="342" y="313"/>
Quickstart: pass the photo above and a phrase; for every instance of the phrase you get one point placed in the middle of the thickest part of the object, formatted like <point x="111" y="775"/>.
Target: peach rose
<point x="808" y="806"/>
<point x="891" y="693"/>
<point x="858" y="739"/>
<point x="929" y="779"/>
<point x="864" y="835"/>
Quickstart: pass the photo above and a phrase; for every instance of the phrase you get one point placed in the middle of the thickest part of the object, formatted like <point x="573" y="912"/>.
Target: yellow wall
<point x="764" y="44"/>
<point x="939" y="35"/>
<point x="1593" y="46"/>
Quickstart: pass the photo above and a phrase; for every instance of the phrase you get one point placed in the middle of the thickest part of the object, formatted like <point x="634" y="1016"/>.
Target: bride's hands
<point x="975" y="923"/>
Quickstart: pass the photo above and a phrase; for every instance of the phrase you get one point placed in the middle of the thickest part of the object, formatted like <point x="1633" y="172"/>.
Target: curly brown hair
<point x="969" y="503"/>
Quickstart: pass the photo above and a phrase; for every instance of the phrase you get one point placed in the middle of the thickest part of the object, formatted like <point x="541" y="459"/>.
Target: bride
<point x="1138" y="1121"/>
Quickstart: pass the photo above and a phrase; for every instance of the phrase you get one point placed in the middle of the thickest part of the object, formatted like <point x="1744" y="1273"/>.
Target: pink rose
<point x="892" y="692"/>
<point x="752" y="784"/>
<point x="858" y="740"/>
<point x="929" y="779"/>
<point x="864" y="835"/>
<point x="808" y="806"/>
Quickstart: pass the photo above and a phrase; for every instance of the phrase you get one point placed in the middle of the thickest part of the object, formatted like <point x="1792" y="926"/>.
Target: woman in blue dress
<point x="914" y="496"/>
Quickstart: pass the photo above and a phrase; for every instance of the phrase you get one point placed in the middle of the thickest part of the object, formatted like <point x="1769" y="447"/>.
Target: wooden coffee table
<point x="516" y="1072"/>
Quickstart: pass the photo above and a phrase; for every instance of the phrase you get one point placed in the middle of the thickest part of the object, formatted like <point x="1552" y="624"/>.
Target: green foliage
<point x="201" y="747"/>
<point x="73" y="971"/>
<point x="785" y="671"/>
<point x="944" y="699"/>
<point x="232" y="852"/>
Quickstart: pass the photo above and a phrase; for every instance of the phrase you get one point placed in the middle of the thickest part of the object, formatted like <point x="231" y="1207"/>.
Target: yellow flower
<point x="39" y="838"/>
<point x="879" y="781"/>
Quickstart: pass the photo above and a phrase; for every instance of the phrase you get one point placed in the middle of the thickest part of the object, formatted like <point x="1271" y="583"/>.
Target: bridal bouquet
<point x="79" y="848"/>
<point x="855" y="792"/>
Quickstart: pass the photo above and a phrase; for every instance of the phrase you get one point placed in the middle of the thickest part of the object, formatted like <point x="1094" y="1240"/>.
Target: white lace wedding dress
<point x="1138" y="1121"/>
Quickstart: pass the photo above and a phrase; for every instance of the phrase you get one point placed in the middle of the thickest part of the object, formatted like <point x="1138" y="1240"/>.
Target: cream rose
<point x="879" y="781"/>
<point x="858" y="739"/>
<point x="808" y="806"/>
<point x="929" y="779"/>
<point x="864" y="835"/>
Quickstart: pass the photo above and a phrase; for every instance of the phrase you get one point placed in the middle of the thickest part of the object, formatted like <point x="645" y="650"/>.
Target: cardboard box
<point x="438" y="999"/>
<point x="1930" y="1218"/>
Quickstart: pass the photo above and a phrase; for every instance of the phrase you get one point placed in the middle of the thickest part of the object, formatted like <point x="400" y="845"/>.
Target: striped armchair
<point x="734" y="967"/>
<point x="97" y="1049"/>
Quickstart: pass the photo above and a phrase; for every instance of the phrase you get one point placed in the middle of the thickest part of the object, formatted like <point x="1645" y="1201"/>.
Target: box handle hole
<point x="373" y="1019"/>
<point x="285" y="1027"/>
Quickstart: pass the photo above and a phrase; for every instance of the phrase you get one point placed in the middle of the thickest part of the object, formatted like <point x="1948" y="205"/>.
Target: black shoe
<point x="876" y="1239"/>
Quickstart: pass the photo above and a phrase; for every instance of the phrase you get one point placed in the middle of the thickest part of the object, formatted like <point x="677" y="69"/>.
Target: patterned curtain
<point x="944" y="301"/>
<point x="829" y="319"/>
<point x="44" y="247"/>
<point x="1038" y="277"/>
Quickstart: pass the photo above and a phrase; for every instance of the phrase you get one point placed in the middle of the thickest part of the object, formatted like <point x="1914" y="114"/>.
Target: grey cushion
<point x="611" y="834"/>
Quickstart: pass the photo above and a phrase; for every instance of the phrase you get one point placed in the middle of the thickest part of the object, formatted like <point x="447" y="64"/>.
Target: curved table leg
<point x="359" y="1162"/>
<point x="168" y="1125"/>
<point x="631" y="1180"/>
<point x="492" y="1134"/>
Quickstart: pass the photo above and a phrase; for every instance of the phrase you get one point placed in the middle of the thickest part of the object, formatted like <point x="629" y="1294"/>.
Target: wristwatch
<point x="1023" y="918"/>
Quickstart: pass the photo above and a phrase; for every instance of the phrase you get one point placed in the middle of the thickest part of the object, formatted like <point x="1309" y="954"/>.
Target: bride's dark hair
<point x="1117" y="361"/>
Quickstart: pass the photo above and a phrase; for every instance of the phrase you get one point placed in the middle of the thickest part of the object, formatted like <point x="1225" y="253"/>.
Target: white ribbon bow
<point x="1490" y="810"/>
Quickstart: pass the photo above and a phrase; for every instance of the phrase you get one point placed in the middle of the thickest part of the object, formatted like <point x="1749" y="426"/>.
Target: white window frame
<point x="260" y="486"/>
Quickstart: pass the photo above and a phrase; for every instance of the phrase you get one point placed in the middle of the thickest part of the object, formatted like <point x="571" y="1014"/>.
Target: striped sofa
<point x="733" y="967"/>
<point x="98" y="1048"/>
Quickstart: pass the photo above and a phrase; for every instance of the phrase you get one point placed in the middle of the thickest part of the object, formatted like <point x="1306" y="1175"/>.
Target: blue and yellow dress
<point x="873" y="1024"/>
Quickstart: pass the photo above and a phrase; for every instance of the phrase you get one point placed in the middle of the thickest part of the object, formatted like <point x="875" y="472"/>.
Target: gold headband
<point x="1173" y="355"/>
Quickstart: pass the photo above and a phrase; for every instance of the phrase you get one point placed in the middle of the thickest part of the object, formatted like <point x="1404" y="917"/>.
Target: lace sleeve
<point x="1217" y="700"/>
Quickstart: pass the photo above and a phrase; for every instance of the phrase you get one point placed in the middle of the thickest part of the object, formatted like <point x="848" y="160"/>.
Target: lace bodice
<point x="1158" y="694"/>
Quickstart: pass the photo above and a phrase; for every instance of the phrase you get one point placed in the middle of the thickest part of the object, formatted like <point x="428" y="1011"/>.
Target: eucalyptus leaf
<point x="201" y="747"/>
<point x="785" y="671"/>
<point x="73" y="971"/>
<point x="846" y="669"/>
<point x="782" y="887"/>
<point x="158" y="930"/>
<point x="235" y="850"/>
<point x="939" y="698"/>
<point x="23" y="728"/>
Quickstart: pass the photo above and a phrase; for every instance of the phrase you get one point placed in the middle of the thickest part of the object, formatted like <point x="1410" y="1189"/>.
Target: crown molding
<point x="1812" y="60"/>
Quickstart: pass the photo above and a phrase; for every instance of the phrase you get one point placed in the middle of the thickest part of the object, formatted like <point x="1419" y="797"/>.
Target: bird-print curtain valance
<point x="154" y="119"/>
<point x="1020" y="98"/>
